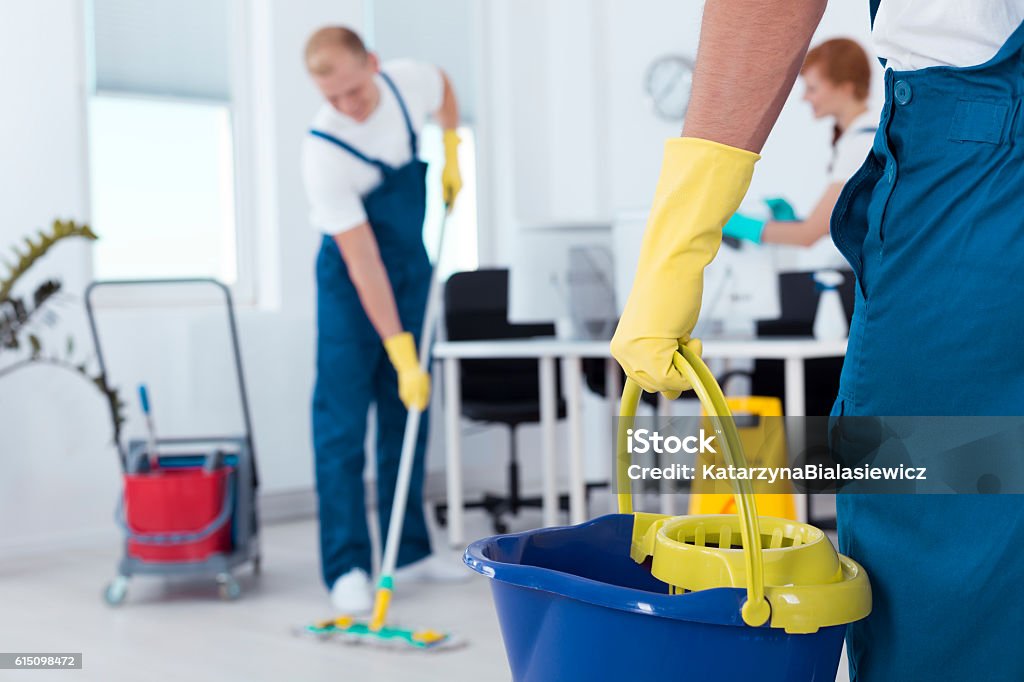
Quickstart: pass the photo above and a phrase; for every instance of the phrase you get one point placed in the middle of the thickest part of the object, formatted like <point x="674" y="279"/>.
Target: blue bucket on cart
<point x="573" y="605"/>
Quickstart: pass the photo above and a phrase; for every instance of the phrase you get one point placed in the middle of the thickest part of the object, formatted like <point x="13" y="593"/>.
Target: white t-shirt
<point x="336" y="181"/>
<point x="914" y="34"/>
<point x="852" y="147"/>
<point x="848" y="155"/>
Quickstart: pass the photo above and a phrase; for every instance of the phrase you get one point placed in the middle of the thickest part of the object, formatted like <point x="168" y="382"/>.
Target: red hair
<point x="842" y="60"/>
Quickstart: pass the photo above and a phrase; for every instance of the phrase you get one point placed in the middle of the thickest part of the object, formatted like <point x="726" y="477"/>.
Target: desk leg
<point x="548" y="422"/>
<point x="572" y="373"/>
<point x="613" y="392"/>
<point x="667" y="486"/>
<point x="453" y="451"/>
<point x="796" y="407"/>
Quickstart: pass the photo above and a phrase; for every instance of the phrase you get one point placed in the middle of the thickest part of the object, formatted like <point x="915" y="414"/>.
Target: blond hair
<point x="328" y="37"/>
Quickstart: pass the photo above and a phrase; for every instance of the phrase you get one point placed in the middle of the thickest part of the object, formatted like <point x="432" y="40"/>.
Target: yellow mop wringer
<point x="799" y="585"/>
<point x="376" y="632"/>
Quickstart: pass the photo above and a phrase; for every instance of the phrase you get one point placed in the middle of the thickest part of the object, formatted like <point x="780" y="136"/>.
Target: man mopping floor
<point x="367" y="190"/>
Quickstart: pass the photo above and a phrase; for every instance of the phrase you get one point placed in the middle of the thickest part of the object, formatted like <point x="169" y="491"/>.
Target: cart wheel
<point x="116" y="591"/>
<point x="228" y="587"/>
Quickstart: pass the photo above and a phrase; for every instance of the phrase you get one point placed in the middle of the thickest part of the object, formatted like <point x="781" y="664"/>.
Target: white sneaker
<point x="350" y="594"/>
<point x="433" y="569"/>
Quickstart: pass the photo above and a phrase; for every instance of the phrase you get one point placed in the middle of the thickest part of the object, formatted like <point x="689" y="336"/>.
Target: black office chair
<point x="498" y="391"/>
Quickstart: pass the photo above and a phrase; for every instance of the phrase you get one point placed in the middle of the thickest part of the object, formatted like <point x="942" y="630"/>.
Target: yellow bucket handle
<point x="756" y="609"/>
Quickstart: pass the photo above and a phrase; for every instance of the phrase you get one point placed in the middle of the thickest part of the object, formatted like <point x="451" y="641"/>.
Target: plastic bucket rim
<point x="617" y="597"/>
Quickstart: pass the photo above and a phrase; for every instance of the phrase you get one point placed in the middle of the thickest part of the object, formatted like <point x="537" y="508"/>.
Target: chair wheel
<point x="115" y="593"/>
<point x="441" y="515"/>
<point x="500" y="527"/>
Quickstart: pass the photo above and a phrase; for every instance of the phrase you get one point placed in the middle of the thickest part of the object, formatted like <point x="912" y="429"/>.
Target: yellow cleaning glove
<point x="413" y="382"/>
<point x="451" y="178"/>
<point x="701" y="186"/>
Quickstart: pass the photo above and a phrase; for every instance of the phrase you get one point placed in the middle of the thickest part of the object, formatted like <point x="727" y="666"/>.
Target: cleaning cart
<point x="188" y="507"/>
<point x="652" y="597"/>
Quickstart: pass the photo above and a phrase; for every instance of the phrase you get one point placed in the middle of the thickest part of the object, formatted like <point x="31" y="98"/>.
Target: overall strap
<point x="383" y="167"/>
<point x="1014" y="44"/>
<point x="873" y="6"/>
<point x="405" y="112"/>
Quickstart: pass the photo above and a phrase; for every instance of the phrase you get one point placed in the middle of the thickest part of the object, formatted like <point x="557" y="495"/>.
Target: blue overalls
<point x="353" y="371"/>
<point x="933" y="226"/>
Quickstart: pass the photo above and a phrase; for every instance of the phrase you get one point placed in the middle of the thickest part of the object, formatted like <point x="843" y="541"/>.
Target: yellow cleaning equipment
<point x="764" y="444"/>
<point x="646" y="596"/>
<point x="376" y="631"/>
<point x="793" y="575"/>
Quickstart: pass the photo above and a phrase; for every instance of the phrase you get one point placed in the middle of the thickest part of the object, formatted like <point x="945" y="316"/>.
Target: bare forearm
<point x="750" y="54"/>
<point x="448" y="114"/>
<point x="794" y="233"/>
<point x="362" y="259"/>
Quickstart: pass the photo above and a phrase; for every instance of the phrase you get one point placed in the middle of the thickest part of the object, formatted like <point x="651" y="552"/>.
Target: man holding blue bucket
<point x="367" y="190"/>
<point x="933" y="226"/>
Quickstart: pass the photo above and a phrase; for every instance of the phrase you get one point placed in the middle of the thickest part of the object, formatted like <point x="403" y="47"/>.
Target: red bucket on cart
<point x="178" y="514"/>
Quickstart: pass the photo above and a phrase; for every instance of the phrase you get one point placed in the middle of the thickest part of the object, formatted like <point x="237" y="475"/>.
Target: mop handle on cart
<point x="150" y="428"/>
<point x="756" y="609"/>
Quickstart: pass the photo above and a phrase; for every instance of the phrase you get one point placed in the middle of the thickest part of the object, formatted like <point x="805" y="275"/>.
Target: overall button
<point x="902" y="92"/>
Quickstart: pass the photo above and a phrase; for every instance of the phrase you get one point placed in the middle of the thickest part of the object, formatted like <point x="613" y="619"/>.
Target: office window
<point x="161" y="143"/>
<point x="461" y="251"/>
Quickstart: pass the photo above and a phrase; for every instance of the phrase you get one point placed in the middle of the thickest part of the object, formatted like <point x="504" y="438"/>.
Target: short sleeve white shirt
<point x="915" y="34"/>
<point x="336" y="181"/>
<point x="852" y="147"/>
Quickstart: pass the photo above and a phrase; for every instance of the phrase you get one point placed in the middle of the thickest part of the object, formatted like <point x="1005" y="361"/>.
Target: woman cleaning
<point x="837" y="80"/>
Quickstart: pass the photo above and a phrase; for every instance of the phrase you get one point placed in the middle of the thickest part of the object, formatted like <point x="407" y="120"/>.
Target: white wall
<point x="574" y="136"/>
<point x="56" y="472"/>
<point x="59" y="473"/>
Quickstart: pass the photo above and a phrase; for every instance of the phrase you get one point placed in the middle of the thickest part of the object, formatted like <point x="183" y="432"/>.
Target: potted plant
<point x="21" y="315"/>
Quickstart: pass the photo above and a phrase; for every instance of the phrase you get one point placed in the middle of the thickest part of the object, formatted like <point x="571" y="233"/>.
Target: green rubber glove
<point x="701" y="185"/>
<point x="781" y="209"/>
<point x="744" y="227"/>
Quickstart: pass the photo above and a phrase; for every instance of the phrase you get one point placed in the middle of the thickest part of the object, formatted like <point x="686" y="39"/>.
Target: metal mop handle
<point x="412" y="427"/>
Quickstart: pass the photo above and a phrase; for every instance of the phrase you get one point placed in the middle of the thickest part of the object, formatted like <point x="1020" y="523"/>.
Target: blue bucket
<point x="573" y="605"/>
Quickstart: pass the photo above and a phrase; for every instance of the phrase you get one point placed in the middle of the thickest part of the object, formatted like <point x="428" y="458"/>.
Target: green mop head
<point x="350" y="630"/>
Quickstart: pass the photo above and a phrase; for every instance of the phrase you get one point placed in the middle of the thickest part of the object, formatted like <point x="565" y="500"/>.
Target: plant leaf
<point x="37" y="346"/>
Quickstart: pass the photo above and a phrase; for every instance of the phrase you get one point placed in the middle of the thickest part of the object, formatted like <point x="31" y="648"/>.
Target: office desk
<point x="793" y="351"/>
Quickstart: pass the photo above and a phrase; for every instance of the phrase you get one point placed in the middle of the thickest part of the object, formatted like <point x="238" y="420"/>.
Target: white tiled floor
<point x="184" y="632"/>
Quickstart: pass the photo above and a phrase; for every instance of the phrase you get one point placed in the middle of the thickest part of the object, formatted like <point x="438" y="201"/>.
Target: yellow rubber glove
<point x="701" y="186"/>
<point x="413" y="382"/>
<point x="451" y="178"/>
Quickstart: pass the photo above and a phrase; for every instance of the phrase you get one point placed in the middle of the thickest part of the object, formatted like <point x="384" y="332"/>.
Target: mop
<point x="376" y="632"/>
